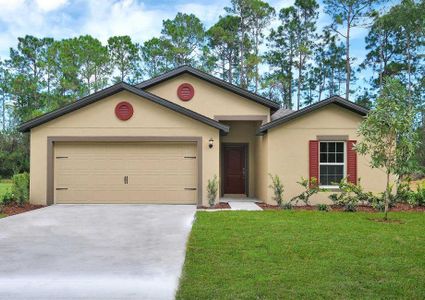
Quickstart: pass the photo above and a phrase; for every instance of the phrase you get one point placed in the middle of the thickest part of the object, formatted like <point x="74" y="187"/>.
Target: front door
<point x="234" y="169"/>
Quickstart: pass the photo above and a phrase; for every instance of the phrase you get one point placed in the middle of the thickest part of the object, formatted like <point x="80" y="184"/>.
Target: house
<point x="161" y="141"/>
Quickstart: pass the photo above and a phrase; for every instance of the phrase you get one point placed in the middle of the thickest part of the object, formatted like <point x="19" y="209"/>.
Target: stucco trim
<point x="332" y="137"/>
<point x="262" y="118"/>
<point x="52" y="139"/>
<point x="332" y="100"/>
<point x="211" y="79"/>
<point x="114" y="89"/>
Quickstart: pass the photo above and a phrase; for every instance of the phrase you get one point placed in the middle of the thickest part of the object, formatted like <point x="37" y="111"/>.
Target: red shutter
<point x="351" y="162"/>
<point x="314" y="160"/>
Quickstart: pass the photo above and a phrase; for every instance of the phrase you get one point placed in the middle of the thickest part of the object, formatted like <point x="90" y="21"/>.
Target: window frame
<point x="344" y="163"/>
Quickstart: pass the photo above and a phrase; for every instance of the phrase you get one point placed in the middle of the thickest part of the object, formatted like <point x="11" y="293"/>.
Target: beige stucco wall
<point x="288" y="150"/>
<point x="244" y="132"/>
<point x="209" y="99"/>
<point x="261" y="168"/>
<point x="98" y="119"/>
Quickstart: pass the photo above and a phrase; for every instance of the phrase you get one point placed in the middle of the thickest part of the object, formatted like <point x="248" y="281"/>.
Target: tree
<point x="242" y="10"/>
<point x="382" y="43"/>
<point x="348" y="13"/>
<point x="155" y="59"/>
<point x="94" y="63"/>
<point x="280" y="56"/>
<point x="124" y="57"/>
<point x="185" y="36"/>
<point x="388" y="134"/>
<point x="223" y="41"/>
<point x="306" y="13"/>
<point x="27" y="84"/>
<point x="4" y="93"/>
<point x="261" y="15"/>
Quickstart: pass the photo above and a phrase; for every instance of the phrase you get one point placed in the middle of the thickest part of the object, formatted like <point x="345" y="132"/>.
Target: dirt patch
<point x="220" y="205"/>
<point x="389" y="221"/>
<point x="14" y="209"/>
<point x="362" y="208"/>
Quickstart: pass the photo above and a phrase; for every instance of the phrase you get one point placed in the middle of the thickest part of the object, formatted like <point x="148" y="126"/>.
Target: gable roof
<point x="211" y="79"/>
<point x="332" y="100"/>
<point x="122" y="86"/>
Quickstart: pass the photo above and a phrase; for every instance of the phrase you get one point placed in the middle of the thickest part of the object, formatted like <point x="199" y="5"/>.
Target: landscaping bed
<point x="360" y="208"/>
<point x="304" y="255"/>
<point x="220" y="205"/>
<point x="14" y="209"/>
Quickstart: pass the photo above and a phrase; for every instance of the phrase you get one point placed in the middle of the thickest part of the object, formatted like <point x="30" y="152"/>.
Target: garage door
<point x="125" y="173"/>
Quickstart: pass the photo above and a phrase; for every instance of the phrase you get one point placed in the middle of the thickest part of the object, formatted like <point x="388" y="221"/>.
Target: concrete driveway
<point x="94" y="252"/>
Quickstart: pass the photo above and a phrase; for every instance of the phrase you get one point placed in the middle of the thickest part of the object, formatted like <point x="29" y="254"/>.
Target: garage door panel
<point x="116" y="197"/>
<point x="95" y="172"/>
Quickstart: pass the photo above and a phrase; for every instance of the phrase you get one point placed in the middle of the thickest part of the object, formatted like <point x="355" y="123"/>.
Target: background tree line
<point x="280" y="54"/>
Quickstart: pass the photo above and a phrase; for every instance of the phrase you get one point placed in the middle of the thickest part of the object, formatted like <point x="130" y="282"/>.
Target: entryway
<point x="235" y="169"/>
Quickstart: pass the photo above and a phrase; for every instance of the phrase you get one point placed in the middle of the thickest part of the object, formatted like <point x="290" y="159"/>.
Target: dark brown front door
<point x="234" y="169"/>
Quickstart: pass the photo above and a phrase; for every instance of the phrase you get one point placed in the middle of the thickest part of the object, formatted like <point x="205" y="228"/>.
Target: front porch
<point x="239" y="159"/>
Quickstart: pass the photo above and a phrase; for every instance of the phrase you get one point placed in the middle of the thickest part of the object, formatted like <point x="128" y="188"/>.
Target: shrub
<point x="277" y="187"/>
<point x="417" y="198"/>
<point x="323" y="207"/>
<point x="7" y="198"/>
<point x="287" y="206"/>
<point x="212" y="190"/>
<point x="20" y="187"/>
<point x="350" y="195"/>
<point x="420" y="195"/>
<point x="310" y="188"/>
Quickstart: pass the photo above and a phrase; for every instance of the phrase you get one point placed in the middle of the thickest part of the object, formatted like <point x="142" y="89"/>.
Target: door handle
<point x="125" y="179"/>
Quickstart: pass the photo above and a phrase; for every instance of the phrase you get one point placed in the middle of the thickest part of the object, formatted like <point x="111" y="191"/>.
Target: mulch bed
<point x="220" y="205"/>
<point x="363" y="208"/>
<point x="14" y="209"/>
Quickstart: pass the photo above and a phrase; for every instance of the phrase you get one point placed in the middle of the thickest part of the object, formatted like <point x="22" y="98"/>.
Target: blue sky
<point x="104" y="18"/>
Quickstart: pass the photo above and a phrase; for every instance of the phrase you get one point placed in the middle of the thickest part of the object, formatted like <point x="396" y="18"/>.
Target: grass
<point x="304" y="255"/>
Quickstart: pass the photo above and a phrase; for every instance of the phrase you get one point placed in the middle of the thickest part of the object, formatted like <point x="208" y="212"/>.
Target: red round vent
<point x="124" y="111"/>
<point x="185" y="92"/>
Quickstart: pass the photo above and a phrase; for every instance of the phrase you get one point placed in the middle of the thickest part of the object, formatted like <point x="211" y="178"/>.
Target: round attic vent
<point x="124" y="111"/>
<point x="185" y="92"/>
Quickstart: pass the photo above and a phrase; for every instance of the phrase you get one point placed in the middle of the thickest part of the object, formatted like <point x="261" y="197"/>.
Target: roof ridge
<point x="212" y="79"/>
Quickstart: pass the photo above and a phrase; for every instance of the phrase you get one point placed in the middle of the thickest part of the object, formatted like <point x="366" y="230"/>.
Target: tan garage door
<point x="130" y="172"/>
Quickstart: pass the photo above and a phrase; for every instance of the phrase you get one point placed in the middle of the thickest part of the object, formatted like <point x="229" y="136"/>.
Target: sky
<point x="140" y="19"/>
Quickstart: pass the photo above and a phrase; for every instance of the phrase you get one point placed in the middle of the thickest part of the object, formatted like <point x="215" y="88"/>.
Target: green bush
<point x="7" y="198"/>
<point x="287" y="206"/>
<point x="212" y="190"/>
<point x="310" y="188"/>
<point x="417" y="198"/>
<point x="323" y="207"/>
<point x="351" y="195"/>
<point x="277" y="187"/>
<point x="20" y="187"/>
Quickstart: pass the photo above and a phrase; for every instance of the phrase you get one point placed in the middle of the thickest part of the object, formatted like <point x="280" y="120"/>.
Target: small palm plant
<point x="278" y="189"/>
<point x="212" y="190"/>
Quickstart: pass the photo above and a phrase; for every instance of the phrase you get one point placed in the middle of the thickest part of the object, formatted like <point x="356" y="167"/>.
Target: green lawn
<point x="310" y="254"/>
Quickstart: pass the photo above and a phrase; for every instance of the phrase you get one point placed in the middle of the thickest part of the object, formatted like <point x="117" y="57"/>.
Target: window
<point x="332" y="163"/>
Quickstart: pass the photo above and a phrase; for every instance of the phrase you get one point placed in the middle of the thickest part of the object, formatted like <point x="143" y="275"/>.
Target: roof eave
<point x="27" y="126"/>
<point x="332" y="100"/>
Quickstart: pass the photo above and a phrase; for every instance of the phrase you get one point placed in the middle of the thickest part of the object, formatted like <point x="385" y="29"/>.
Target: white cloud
<point x="108" y="18"/>
<point x="50" y="5"/>
<point x="207" y="13"/>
